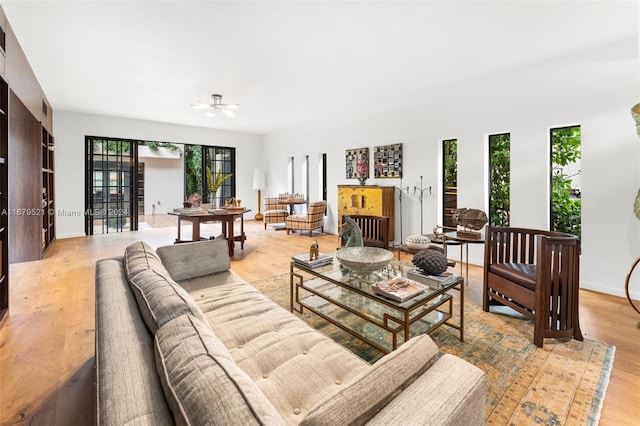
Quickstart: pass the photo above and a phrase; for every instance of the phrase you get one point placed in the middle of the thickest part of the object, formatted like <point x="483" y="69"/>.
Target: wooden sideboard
<point x="366" y="200"/>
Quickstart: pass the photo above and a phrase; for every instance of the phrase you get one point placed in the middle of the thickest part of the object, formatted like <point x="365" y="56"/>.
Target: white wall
<point x="70" y="129"/>
<point x="594" y="89"/>
<point x="163" y="184"/>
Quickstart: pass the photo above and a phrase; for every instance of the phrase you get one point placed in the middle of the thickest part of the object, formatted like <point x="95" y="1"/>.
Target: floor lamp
<point x="258" y="184"/>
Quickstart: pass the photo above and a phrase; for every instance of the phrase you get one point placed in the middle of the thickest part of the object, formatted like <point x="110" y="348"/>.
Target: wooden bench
<point x="375" y="230"/>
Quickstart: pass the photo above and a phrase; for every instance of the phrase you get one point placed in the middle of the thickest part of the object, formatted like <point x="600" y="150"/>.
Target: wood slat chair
<point x="375" y="230"/>
<point x="536" y="273"/>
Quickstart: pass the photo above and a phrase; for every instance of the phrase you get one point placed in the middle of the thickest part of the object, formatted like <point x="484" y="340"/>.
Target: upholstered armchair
<point x="536" y="273"/>
<point x="274" y="212"/>
<point x="312" y="220"/>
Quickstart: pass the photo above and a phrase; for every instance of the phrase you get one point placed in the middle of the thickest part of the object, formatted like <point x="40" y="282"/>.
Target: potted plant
<point x="362" y="167"/>
<point x="213" y="184"/>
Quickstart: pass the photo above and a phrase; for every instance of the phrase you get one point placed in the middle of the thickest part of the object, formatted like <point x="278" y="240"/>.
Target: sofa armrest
<point x="128" y="389"/>
<point x="191" y="260"/>
<point x="368" y="393"/>
<point x="451" y="392"/>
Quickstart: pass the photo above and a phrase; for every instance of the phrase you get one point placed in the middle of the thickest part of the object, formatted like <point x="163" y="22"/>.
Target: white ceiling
<point x="286" y="62"/>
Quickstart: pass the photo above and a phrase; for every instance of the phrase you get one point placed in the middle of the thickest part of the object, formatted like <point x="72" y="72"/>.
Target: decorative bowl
<point x="364" y="260"/>
<point x="417" y="242"/>
<point x="231" y="209"/>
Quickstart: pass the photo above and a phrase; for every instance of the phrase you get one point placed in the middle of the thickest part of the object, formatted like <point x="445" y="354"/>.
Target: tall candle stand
<point x="420" y="190"/>
<point x="401" y="189"/>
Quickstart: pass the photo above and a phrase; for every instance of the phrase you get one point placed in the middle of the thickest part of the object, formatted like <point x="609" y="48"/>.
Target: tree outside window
<point x="499" y="179"/>
<point x="192" y="170"/>
<point x="566" y="203"/>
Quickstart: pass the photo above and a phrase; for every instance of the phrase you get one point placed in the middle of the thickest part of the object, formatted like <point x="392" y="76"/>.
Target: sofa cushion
<point x="139" y="257"/>
<point x="160" y="299"/>
<point x="202" y="382"/>
<point x="190" y="260"/>
<point x="272" y="345"/>
<point x="450" y="393"/>
<point x="363" y="397"/>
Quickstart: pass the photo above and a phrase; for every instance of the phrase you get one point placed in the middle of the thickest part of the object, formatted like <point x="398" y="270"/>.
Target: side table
<point x="462" y="240"/>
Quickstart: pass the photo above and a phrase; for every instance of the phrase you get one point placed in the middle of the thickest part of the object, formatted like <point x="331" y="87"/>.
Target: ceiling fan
<point x="216" y="105"/>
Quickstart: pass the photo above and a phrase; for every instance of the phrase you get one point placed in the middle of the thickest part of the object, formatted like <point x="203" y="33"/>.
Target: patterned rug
<point x="562" y="383"/>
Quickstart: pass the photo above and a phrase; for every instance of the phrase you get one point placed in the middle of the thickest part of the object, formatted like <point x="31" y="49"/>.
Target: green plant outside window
<point x="566" y="205"/>
<point x="193" y="170"/>
<point x="499" y="179"/>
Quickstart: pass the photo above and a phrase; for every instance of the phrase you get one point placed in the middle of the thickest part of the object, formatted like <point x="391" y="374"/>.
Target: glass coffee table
<point x="347" y="301"/>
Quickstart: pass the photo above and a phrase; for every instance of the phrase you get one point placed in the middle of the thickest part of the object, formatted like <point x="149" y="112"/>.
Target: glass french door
<point x="223" y="160"/>
<point x="111" y="202"/>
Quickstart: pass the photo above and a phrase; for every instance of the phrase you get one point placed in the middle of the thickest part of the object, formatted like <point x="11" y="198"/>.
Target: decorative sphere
<point x="431" y="262"/>
<point x="417" y="242"/>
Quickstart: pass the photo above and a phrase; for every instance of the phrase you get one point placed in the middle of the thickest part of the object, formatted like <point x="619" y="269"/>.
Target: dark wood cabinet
<point x="24" y="113"/>
<point x="4" y="193"/>
<point x="27" y="176"/>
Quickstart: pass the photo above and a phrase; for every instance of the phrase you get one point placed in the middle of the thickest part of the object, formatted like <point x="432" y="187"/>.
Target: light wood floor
<point x="47" y="340"/>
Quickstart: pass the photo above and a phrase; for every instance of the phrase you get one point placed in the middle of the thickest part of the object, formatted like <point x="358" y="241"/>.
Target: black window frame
<point x="449" y="193"/>
<point x="115" y="209"/>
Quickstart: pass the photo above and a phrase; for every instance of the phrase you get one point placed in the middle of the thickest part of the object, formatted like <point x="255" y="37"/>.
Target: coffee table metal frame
<point x="407" y="313"/>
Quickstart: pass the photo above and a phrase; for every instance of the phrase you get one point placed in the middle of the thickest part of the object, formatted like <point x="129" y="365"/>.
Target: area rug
<point x="562" y="383"/>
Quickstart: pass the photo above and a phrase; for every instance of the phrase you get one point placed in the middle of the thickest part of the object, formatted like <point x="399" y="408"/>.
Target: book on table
<point x="444" y="278"/>
<point x="399" y="289"/>
<point x="303" y="259"/>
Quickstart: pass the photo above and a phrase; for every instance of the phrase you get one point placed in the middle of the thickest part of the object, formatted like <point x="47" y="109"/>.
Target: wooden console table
<point x="227" y="219"/>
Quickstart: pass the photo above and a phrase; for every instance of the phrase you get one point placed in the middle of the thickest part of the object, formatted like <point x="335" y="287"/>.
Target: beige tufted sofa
<point x="182" y="339"/>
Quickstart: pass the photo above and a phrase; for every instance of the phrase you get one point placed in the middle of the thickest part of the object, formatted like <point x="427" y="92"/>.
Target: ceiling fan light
<point x="216" y="106"/>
